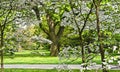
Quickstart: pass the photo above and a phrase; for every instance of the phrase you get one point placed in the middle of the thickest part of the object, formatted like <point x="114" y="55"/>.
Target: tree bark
<point x="1" y="51"/>
<point x="54" y="49"/>
<point x="83" y="53"/>
<point x="2" y="66"/>
<point x="54" y="46"/>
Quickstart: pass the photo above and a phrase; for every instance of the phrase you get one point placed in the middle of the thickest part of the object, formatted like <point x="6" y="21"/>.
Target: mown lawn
<point x="31" y="57"/>
<point x="52" y="70"/>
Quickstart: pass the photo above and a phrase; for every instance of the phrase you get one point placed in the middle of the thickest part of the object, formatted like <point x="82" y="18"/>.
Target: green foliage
<point x="117" y="37"/>
<point x="105" y="1"/>
<point x="69" y="38"/>
<point x="89" y="36"/>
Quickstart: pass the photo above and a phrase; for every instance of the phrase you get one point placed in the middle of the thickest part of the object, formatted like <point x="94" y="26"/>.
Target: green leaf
<point x="105" y="1"/>
<point x="67" y="8"/>
<point x="56" y="17"/>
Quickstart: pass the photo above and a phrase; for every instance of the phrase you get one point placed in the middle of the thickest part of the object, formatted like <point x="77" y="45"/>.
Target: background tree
<point x="53" y="16"/>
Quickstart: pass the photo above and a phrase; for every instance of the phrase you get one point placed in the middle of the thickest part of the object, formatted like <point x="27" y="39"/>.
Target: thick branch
<point x="36" y="10"/>
<point x="61" y="30"/>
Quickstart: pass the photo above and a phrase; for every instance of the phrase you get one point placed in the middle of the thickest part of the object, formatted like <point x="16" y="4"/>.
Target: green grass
<point x="50" y="70"/>
<point x="29" y="57"/>
<point x="31" y="60"/>
<point x="36" y="70"/>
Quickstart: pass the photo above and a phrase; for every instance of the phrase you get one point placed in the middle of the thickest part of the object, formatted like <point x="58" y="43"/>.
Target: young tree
<point x="104" y="18"/>
<point x="6" y="17"/>
<point x="84" y="18"/>
<point x="102" y="51"/>
<point x="107" y="21"/>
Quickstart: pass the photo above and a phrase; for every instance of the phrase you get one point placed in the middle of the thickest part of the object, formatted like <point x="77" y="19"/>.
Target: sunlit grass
<point x="28" y="57"/>
<point x="31" y="60"/>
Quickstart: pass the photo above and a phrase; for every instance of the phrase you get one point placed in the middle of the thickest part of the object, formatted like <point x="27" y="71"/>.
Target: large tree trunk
<point x="54" y="49"/>
<point x="53" y="33"/>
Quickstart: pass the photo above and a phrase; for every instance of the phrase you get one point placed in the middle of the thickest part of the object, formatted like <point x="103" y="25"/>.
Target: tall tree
<point x="54" y="11"/>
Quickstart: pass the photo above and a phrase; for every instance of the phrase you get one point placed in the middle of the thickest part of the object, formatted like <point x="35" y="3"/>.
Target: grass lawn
<point x="27" y="57"/>
<point x="30" y="57"/>
<point x="52" y="70"/>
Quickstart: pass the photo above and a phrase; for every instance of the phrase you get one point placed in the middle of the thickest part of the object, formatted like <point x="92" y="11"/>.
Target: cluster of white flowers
<point x="41" y="39"/>
<point x="119" y="63"/>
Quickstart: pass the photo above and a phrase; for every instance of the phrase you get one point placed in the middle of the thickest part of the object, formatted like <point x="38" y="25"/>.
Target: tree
<point x="54" y="11"/>
<point x="107" y="19"/>
<point x="80" y="29"/>
<point x="97" y="5"/>
<point x="6" y="17"/>
<point x="107" y="22"/>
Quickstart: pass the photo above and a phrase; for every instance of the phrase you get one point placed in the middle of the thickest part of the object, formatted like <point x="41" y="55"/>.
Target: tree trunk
<point x="82" y="48"/>
<point x="1" y="51"/>
<point x="2" y="66"/>
<point x="83" y="54"/>
<point x="99" y="35"/>
<point x="54" y="49"/>
<point x="51" y="32"/>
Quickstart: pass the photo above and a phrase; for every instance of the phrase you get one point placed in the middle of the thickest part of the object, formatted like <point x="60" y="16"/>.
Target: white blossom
<point x="119" y="62"/>
<point x="114" y="48"/>
<point x="110" y="61"/>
